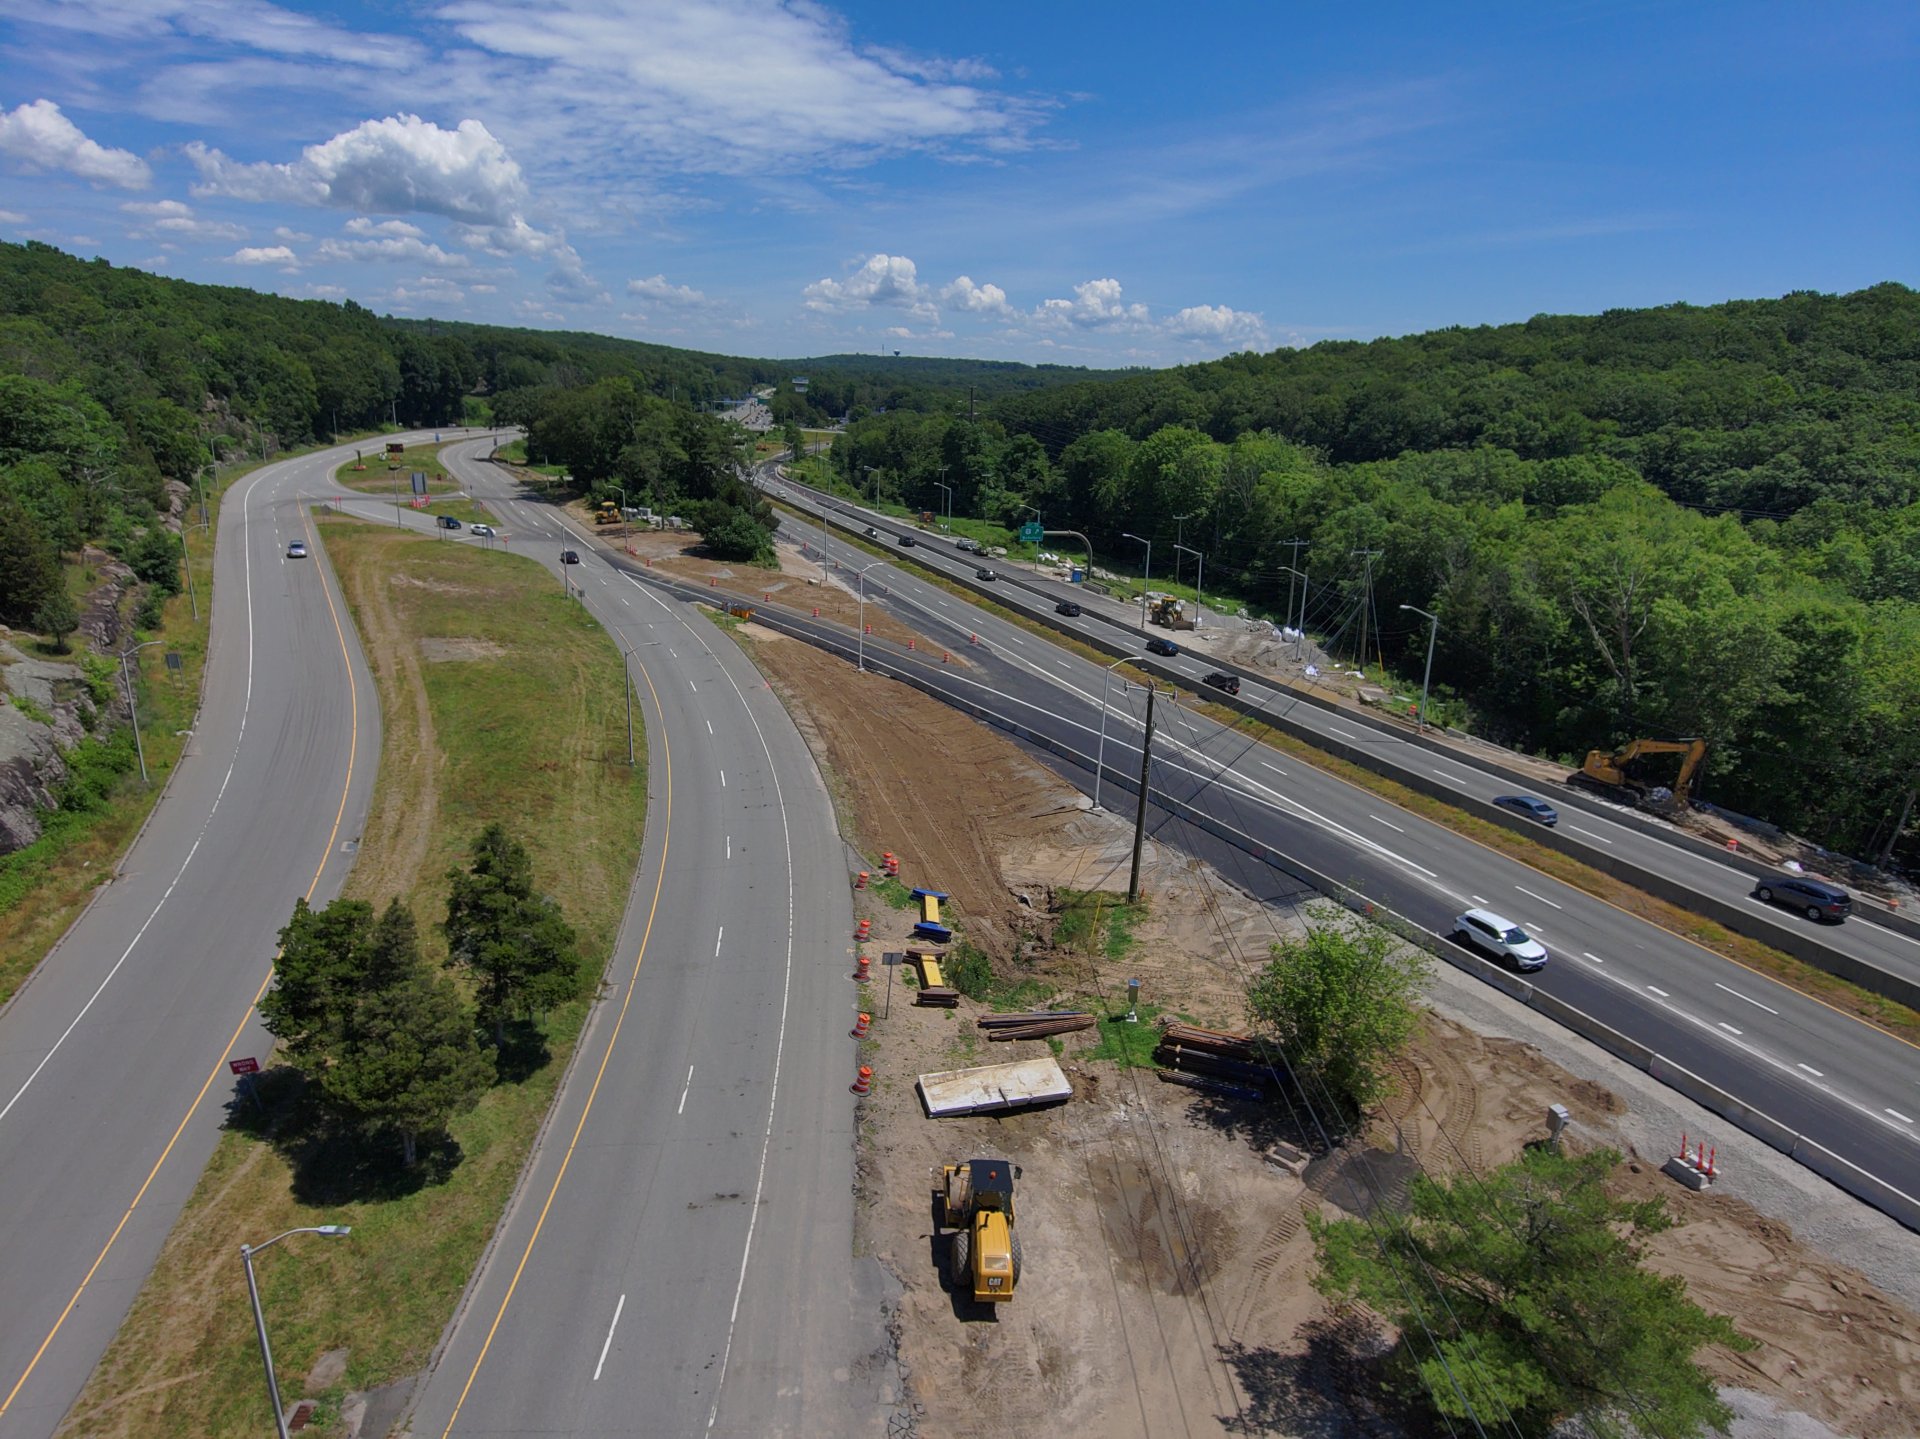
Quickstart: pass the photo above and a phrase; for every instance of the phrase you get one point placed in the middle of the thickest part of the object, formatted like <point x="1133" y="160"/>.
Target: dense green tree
<point x="1341" y="1004"/>
<point x="1535" y="1304"/>
<point x="29" y="568"/>
<point x="517" y="945"/>
<point x="410" y="1062"/>
<point x="56" y="617"/>
<point x="155" y="558"/>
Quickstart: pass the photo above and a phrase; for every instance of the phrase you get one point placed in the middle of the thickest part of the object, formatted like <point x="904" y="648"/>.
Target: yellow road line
<point x="666" y="840"/>
<point x="353" y="749"/>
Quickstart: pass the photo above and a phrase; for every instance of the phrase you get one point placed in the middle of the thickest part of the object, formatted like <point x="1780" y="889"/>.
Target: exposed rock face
<point x="179" y="494"/>
<point x="31" y="763"/>
<point x="101" y="620"/>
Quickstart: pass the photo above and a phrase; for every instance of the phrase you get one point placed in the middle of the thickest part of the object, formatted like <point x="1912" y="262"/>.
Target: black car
<point x="1814" y="898"/>
<point x="907" y="542"/>
<point x="1529" y="806"/>
<point x="872" y="533"/>
<point x="983" y="573"/>
<point x="1158" y="646"/>
<point x="569" y="557"/>
<point x="1230" y="684"/>
<point x="1067" y="608"/>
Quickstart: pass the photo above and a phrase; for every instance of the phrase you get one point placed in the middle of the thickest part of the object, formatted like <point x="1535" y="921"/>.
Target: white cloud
<point x="400" y="165"/>
<point x="265" y="255"/>
<point x="963" y="294"/>
<point x="1241" y="329"/>
<point x="12" y="217"/>
<point x="427" y="290"/>
<point x="361" y="225"/>
<point x="408" y="249"/>
<point x="176" y="218"/>
<point x="656" y="289"/>
<point x="887" y="281"/>
<point x="281" y="232"/>
<point x="1096" y="305"/>
<point x="734" y="86"/>
<point x="39" y="137"/>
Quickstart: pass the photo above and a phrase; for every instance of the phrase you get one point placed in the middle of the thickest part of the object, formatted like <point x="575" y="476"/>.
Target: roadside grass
<point x="1129" y="1044"/>
<point x="1829" y="989"/>
<point x="44" y="887"/>
<point x="460" y="507"/>
<point x="891" y="892"/>
<point x="383" y="475"/>
<point x="1096" y="923"/>
<point x="499" y="700"/>
<point x="969" y="970"/>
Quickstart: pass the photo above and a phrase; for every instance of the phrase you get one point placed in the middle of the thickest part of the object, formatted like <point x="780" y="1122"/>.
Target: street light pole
<point x="1100" y="763"/>
<point x="860" y="639"/>
<point x="1179" y="539"/>
<point x="875" y="472"/>
<point x="1199" y="583"/>
<point x="1146" y="578"/>
<point x="331" y="1231"/>
<point x="1433" y="633"/>
<point x="133" y="708"/>
<point x="1299" y="629"/>
<point x="947" y="491"/>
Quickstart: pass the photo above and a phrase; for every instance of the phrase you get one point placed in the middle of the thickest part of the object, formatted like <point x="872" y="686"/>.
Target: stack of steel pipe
<point x="1239" y="1059"/>
<point x="1036" y="1024"/>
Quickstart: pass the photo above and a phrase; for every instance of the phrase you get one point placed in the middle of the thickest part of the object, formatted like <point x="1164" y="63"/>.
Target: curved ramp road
<point x="678" y="1260"/>
<point x="113" y="1059"/>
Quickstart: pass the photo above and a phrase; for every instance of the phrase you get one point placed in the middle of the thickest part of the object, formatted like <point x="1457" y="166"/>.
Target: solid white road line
<point x="617" y="1308"/>
<point x="1738" y="995"/>
<point x="1541" y="897"/>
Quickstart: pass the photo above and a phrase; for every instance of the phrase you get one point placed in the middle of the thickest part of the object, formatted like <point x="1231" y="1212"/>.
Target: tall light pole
<point x="1179" y="536"/>
<point x="1100" y="763"/>
<point x="1145" y="579"/>
<point x="1299" y="629"/>
<point x="947" y="491"/>
<point x="247" y="1251"/>
<point x="132" y="708"/>
<point x="875" y="472"/>
<point x="1433" y="633"/>
<point x="860" y="639"/>
<point x="186" y="561"/>
<point x="626" y="679"/>
<point x="1199" y="583"/>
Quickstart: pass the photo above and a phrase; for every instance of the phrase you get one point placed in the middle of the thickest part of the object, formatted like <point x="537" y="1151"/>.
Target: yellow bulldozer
<point x="976" y="1202"/>
<point x="1617" y="773"/>
<point x="607" y="514"/>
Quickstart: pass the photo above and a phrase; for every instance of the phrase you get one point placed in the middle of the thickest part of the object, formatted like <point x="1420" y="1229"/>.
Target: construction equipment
<point x="607" y="514"/>
<point x="1617" y="774"/>
<point x="977" y="1204"/>
<point x="1168" y="611"/>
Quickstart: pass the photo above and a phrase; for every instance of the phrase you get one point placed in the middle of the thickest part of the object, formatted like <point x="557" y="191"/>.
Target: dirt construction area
<point x="1166" y="1282"/>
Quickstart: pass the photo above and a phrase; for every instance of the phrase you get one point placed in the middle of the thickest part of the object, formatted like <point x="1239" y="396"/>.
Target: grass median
<point x="499" y="700"/>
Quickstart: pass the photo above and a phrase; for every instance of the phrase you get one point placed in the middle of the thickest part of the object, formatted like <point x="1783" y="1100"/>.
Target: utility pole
<point x="1295" y="544"/>
<point x="1140" y="811"/>
<point x="186" y="561"/>
<point x="1366" y="605"/>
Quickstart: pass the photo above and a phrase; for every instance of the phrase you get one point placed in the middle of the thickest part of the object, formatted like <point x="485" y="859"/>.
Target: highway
<point x="113" y="1059"/>
<point x="678" y="1259"/>
<point x="1849" y="1085"/>
<point x="1606" y="830"/>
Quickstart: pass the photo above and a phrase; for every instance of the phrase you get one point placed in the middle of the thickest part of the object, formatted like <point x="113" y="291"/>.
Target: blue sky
<point x="1083" y="184"/>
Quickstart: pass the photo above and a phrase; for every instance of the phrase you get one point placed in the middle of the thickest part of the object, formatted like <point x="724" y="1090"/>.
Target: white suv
<point x="1501" y="938"/>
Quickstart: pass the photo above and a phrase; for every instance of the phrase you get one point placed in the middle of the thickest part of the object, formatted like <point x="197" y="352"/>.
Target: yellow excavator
<point x="977" y="1204"/>
<point x="1613" y="772"/>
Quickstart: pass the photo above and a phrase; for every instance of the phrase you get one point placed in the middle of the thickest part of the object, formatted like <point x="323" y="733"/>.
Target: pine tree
<point x="517" y="944"/>
<point x="411" y="1062"/>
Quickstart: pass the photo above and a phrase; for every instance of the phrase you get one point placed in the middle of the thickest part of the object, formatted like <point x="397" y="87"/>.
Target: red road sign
<point x="244" y="1066"/>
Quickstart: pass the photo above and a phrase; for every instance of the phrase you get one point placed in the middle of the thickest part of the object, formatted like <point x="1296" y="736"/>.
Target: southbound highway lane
<point x="113" y="1059"/>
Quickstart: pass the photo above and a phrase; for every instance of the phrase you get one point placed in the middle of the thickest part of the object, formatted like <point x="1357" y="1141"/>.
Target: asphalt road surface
<point x="114" y="1079"/>
<point x="678" y="1259"/>
<point x="1851" y="1087"/>
<point x="1605" y="829"/>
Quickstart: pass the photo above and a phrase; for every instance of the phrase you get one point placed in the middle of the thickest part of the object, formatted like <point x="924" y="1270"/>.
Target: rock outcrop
<point x="48" y="709"/>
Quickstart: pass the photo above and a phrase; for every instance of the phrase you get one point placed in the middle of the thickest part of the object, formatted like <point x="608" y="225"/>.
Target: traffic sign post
<point x="1031" y="533"/>
<point x="246" y="1069"/>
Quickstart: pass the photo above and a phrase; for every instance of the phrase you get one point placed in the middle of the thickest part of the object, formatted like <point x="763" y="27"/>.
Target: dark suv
<point x="1814" y="898"/>
<point x="1222" y="681"/>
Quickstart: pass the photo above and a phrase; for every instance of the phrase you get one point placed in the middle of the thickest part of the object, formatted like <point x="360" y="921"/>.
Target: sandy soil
<point x="1167" y="1262"/>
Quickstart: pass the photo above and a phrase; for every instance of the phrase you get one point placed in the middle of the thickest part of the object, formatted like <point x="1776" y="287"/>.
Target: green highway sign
<point x="1031" y="533"/>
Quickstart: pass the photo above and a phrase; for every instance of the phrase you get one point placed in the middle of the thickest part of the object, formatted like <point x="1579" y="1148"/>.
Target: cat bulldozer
<point x="976" y="1202"/>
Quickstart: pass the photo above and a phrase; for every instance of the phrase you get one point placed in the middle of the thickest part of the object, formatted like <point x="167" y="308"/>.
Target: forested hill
<point x="1758" y="405"/>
